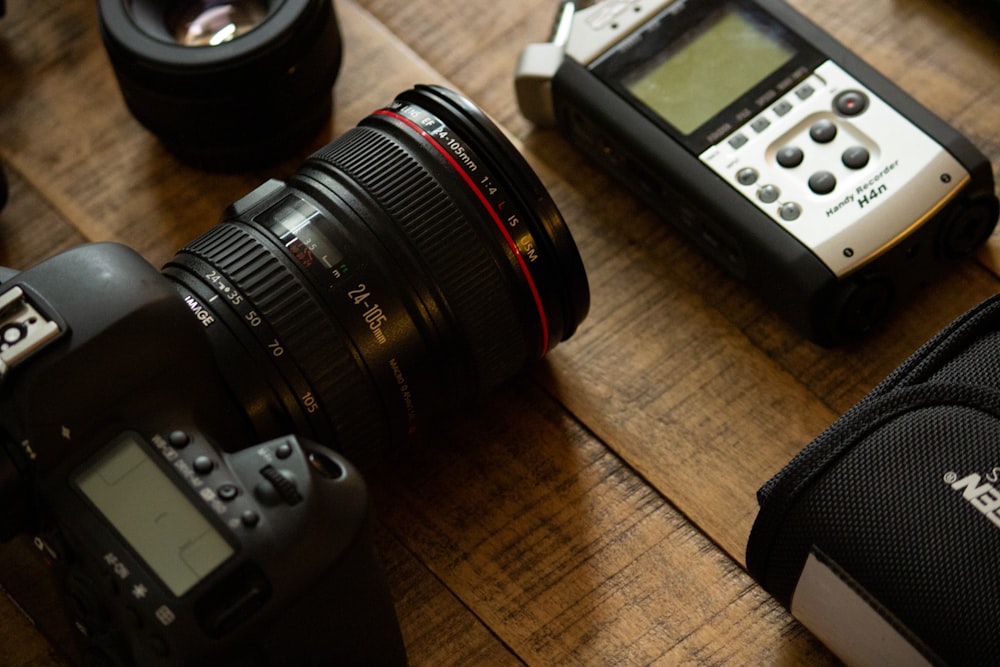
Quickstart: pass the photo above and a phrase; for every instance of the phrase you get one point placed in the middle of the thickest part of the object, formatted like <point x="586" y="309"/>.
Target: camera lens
<point x="225" y="85"/>
<point x="411" y="264"/>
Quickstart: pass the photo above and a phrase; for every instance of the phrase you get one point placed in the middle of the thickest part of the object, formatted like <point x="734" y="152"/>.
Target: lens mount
<point x="237" y="104"/>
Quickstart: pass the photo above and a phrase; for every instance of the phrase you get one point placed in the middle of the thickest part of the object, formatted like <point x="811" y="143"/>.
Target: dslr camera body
<point x="410" y="266"/>
<point x="177" y="538"/>
<point x="776" y="150"/>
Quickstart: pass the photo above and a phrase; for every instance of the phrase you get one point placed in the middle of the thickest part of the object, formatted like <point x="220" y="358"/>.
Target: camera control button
<point x="326" y="466"/>
<point x="277" y="487"/>
<point x="179" y="439"/>
<point x="266" y="494"/>
<point x="203" y="465"/>
<point x="249" y="518"/>
<point x="227" y="492"/>
<point x="782" y="107"/>
<point x="737" y="140"/>
<point x="283" y="451"/>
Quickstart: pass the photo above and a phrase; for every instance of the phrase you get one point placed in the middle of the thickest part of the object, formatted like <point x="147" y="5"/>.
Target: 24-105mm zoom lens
<point x="413" y="263"/>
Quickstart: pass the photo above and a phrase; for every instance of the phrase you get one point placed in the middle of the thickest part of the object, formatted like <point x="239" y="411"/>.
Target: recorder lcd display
<point x="164" y="528"/>
<point x="708" y="69"/>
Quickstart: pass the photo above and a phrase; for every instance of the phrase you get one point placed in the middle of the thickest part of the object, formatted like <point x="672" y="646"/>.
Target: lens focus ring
<point x="478" y="295"/>
<point x="316" y="345"/>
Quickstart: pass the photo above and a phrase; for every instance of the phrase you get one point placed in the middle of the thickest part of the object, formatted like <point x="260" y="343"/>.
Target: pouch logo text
<point x="981" y="495"/>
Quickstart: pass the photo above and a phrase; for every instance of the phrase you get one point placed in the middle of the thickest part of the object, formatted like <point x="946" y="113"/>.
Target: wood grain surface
<point x="595" y="510"/>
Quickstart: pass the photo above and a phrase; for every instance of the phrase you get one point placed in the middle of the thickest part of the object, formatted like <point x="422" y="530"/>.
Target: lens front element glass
<point x="213" y="22"/>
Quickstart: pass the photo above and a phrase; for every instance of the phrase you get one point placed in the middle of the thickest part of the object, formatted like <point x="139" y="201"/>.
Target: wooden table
<point x="596" y="509"/>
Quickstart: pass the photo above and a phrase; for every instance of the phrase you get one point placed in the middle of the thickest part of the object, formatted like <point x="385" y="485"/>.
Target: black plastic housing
<point x="721" y="222"/>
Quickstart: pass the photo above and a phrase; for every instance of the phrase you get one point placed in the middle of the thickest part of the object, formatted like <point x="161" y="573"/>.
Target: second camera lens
<point x="225" y="85"/>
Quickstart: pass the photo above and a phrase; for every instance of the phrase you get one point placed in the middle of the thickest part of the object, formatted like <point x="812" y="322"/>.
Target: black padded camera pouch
<point x="883" y="535"/>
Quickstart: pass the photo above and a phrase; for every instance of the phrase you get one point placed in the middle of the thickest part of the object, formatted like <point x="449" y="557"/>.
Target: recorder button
<point x="768" y="194"/>
<point x="850" y="102"/>
<point x="822" y="182"/>
<point x="737" y="140"/>
<point x="790" y="156"/>
<point x="747" y="176"/>
<point x="823" y="131"/>
<point x="790" y="211"/>
<point x="855" y="157"/>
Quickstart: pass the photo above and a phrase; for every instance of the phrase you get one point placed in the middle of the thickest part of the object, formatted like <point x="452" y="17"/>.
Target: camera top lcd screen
<point x="708" y="68"/>
<point x="163" y="527"/>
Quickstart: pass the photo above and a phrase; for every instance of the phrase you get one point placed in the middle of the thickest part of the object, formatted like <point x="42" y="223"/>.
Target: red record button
<point x="850" y="102"/>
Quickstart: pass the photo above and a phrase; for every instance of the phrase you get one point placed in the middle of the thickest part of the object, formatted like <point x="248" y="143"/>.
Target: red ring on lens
<point x="493" y="215"/>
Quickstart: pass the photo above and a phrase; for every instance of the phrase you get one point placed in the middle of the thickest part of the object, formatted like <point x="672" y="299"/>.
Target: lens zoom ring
<point x="458" y="259"/>
<point x="316" y="343"/>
